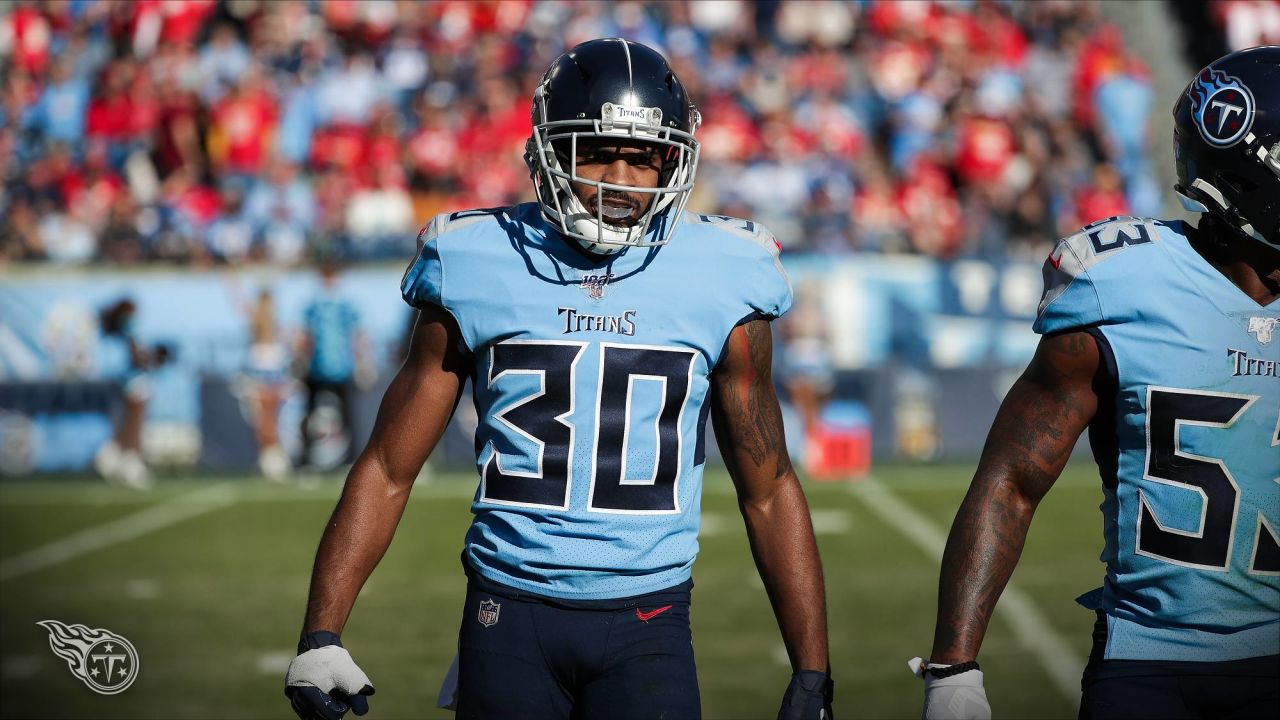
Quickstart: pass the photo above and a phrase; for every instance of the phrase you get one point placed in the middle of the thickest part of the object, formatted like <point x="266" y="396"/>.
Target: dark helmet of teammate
<point x="1227" y="142"/>
<point x="611" y="88"/>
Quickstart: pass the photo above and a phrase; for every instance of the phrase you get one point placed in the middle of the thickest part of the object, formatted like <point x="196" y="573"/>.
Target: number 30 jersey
<point x="591" y="384"/>
<point x="1188" y="444"/>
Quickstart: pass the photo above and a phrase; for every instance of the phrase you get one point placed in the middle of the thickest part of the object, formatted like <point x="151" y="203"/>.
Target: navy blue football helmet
<point x="1227" y="142"/>
<point x="611" y="88"/>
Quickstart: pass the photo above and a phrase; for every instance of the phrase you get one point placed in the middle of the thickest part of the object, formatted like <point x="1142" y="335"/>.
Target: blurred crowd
<point x="194" y="131"/>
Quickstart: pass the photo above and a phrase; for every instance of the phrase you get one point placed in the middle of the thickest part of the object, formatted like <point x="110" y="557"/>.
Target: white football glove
<point x="323" y="683"/>
<point x="957" y="697"/>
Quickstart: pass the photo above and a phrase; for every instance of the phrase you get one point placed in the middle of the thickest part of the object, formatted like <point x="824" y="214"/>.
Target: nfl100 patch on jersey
<point x="1188" y="444"/>
<point x="591" y="381"/>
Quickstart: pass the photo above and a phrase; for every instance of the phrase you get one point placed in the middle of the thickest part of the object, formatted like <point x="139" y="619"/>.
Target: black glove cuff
<point x="814" y="681"/>
<point x="952" y="670"/>
<point x="318" y="639"/>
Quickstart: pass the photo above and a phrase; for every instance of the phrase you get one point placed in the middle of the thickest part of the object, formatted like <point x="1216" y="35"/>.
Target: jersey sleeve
<point x="1070" y="298"/>
<point x="775" y="294"/>
<point x="423" y="283"/>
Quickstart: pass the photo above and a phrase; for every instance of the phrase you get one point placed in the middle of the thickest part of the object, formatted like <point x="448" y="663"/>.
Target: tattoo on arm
<point x="748" y="427"/>
<point x="747" y="402"/>
<point x="1029" y="443"/>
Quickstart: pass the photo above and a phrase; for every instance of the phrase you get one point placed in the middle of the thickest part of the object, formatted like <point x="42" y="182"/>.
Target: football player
<point x="1158" y="337"/>
<point x="600" y="326"/>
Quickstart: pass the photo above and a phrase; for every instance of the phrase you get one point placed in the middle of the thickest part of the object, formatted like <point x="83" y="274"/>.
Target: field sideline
<point x="208" y="579"/>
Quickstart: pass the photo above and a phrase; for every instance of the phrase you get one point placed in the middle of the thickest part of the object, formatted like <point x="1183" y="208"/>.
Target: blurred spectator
<point x="120" y="459"/>
<point x="382" y="212"/>
<point x="229" y="237"/>
<point x="267" y="372"/>
<point x="59" y="114"/>
<point x="1102" y="198"/>
<point x="223" y="61"/>
<point x="347" y="95"/>
<point x="280" y="193"/>
<point x="27" y="33"/>
<point x="177" y="137"/>
<point x="333" y="354"/>
<point x="405" y="67"/>
<point x="242" y="127"/>
<point x="1249" y="22"/>
<point x="807" y="371"/>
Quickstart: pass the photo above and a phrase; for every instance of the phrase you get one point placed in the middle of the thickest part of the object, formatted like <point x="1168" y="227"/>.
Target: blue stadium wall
<point x="902" y="331"/>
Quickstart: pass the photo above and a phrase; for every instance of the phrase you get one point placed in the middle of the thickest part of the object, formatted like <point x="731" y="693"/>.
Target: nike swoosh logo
<point x="1056" y="262"/>
<point x="647" y="616"/>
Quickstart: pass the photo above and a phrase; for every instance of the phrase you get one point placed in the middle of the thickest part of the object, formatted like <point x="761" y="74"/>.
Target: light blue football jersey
<point x="591" y="382"/>
<point x="1188" y="447"/>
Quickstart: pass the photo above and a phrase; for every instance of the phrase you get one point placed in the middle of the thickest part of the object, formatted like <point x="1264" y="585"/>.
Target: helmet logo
<point x="1222" y="107"/>
<point x="639" y="117"/>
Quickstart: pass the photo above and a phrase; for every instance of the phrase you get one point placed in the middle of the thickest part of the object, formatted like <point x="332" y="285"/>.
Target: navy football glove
<point x="324" y="682"/>
<point x="808" y="697"/>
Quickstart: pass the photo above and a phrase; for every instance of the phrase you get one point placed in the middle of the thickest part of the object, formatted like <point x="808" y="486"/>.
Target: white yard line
<point x="299" y="488"/>
<point x="926" y="480"/>
<point x="133" y="525"/>
<point x="1025" y="619"/>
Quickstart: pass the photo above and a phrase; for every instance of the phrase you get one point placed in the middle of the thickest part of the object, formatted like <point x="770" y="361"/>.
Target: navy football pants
<point x="522" y="656"/>
<point x="1177" y="690"/>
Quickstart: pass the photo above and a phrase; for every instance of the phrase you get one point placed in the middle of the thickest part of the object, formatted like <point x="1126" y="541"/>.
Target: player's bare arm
<point x="1028" y="445"/>
<point x="414" y="413"/>
<point x="748" y="426"/>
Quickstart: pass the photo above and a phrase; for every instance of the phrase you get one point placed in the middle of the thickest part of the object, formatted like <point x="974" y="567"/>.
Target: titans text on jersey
<point x="1189" y="447"/>
<point x="591" y="377"/>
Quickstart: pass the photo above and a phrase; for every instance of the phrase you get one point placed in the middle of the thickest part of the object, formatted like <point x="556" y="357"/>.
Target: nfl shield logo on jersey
<point x="1263" y="328"/>
<point x="489" y="613"/>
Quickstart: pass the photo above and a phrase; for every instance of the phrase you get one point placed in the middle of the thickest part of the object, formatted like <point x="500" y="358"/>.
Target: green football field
<point x="208" y="579"/>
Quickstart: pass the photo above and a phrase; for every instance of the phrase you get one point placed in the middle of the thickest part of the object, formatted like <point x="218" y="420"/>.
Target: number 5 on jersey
<point x="1210" y="546"/>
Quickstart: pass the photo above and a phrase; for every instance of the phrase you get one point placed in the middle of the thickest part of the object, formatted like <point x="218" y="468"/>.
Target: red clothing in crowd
<point x="180" y="20"/>
<point x="433" y="151"/>
<point x="1094" y="203"/>
<point x="199" y="204"/>
<point x="109" y="118"/>
<point x="91" y="194"/>
<point x="1102" y="56"/>
<point x="875" y="210"/>
<point x="930" y="210"/>
<point x="730" y="134"/>
<point x="340" y="145"/>
<point x="984" y="147"/>
<point x="244" y="124"/>
<point x="499" y="133"/>
<point x="31" y="33"/>
<point x="177" y="124"/>
<point x="898" y="67"/>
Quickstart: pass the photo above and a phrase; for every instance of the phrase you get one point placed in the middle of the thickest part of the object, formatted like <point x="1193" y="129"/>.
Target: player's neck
<point x="1263" y="288"/>
<point x="1252" y="266"/>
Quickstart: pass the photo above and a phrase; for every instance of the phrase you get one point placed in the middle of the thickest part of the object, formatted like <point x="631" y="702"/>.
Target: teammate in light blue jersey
<point x="1162" y="340"/>
<point x="600" y="327"/>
